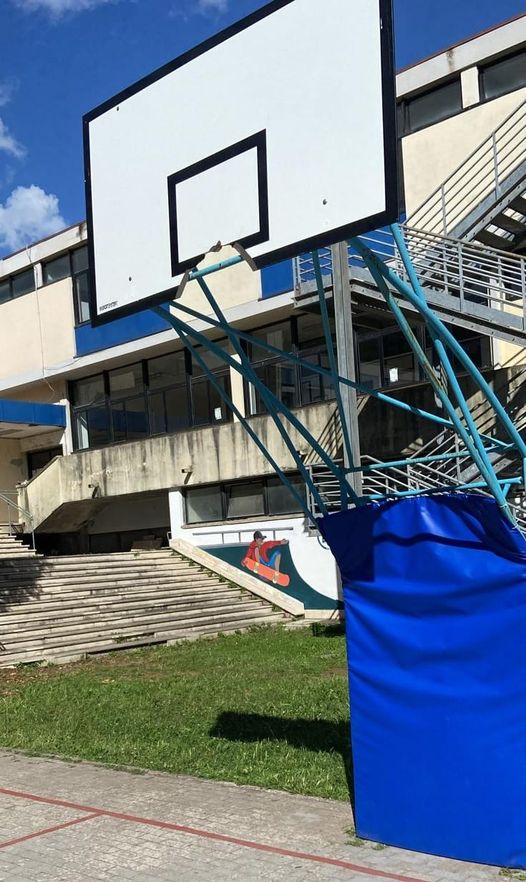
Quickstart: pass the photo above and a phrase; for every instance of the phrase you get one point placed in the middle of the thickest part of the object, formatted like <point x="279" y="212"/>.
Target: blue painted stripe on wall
<point x="32" y="413"/>
<point x="277" y="279"/>
<point x="124" y="330"/>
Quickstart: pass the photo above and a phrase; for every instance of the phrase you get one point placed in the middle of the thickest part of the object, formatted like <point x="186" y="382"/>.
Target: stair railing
<point x="482" y="173"/>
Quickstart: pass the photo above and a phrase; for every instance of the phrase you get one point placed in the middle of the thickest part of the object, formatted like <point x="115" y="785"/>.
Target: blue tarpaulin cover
<point x="435" y="604"/>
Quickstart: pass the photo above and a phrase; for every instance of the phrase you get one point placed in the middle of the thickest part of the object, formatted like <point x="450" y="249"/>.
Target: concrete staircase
<point x="65" y="608"/>
<point x="11" y="547"/>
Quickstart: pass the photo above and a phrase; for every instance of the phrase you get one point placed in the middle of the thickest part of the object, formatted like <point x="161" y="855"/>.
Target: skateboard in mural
<point x="268" y="573"/>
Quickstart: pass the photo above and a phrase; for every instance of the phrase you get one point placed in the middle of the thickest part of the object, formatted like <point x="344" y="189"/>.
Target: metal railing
<point x="17" y="516"/>
<point x="467" y="274"/>
<point x="483" y="173"/>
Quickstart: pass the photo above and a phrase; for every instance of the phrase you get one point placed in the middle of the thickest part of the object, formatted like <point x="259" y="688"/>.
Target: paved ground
<point x="69" y="822"/>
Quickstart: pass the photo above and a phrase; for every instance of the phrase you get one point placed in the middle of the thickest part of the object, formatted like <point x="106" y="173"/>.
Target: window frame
<point x="403" y="107"/>
<point x="8" y="280"/>
<point x="224" y="487"/>
<point x="490" y="65"/>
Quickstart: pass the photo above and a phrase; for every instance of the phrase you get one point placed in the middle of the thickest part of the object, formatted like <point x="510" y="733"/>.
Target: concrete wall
<point x="12" y="470"/>
<point x="36" y="332"/>
<point x="200" y="456"/>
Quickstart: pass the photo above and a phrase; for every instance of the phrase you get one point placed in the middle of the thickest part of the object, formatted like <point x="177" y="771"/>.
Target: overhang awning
<point x="20" y="419"/>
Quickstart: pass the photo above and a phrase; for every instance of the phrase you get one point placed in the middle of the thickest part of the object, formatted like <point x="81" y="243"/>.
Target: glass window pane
<point x="89" y="391"/>
<point x="23" y="283"/>
<point x="55" y="270"/>
<point x="310" y="329"/>
<point x="213" y="362"/>
<point x="204" y="504"/>
<point x="5" y="291"/>
<point x="79" y="259"/>
<point x="370" y="365"/>
<point x="118" y="421"/>
<point x="276" y="335"/>
<point x="244" y="500"/>
<point x="126" y="380"/>
<point x="281" y="380"/>
<point x="177" y="410"/>
<point x="439" y="103"/>
<point x="157" y="414"/>
<point x="166" y="370"/>
<point x="200" y="403"/>
<point x="82" y="293"/>
<point x="504" y="76"/>
<point x="136" y="418"/>
<point x="399" y="363"/>
<point x="218" y="409"/>
<point x="81" y="426"/>
<point x="280" y="499"/>
<point x="98" y="426"/>
<point x="311" y="383"/>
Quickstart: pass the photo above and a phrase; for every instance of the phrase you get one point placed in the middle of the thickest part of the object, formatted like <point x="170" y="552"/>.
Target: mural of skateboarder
<point x="263" y="557"/>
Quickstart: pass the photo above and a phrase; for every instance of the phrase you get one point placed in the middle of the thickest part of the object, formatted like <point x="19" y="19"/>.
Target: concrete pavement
<point x="79" y="822"/>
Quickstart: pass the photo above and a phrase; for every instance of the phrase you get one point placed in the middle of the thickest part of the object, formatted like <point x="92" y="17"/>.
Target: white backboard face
<point x="278" y="134"/>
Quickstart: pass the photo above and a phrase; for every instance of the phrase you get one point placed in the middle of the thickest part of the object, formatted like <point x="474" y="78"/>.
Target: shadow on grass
<point x="317" y="735"/>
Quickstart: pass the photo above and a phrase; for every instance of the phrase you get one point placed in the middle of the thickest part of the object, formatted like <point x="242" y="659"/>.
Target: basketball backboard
<point x="277" y="134"/>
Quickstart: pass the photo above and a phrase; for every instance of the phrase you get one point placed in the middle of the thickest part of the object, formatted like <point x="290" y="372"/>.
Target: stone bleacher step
<point x="75" y="652"/>
<point x="161" y="625"/>
<point x="62" y="607"/>
<point x="16" y="632"/>
<point x="40" y="609"/>
<point x="50" y="586"/>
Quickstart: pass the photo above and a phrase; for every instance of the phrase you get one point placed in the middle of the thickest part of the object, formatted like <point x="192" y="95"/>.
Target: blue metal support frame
<point x="477" y="446"/>
<point x="272" y="403"/>
<point x="180" y="331"/>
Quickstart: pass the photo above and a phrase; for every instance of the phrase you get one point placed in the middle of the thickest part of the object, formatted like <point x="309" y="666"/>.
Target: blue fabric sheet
<point x="435" y="603"/>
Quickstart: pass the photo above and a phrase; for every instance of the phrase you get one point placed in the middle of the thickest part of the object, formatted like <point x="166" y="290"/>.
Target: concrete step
<point x="12" y="634"/>
<point x="81" y="559"/>
<point x="103" y="597"/>
<point x="50" y="586"/>
<point x="115" y="633"/>
<point x="74" y="652"/>
<point x="41" y="565"/>
<point x="34" y="611"/>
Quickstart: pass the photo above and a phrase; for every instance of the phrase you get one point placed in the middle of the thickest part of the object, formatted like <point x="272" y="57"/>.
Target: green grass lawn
<point x="268" y="708"/>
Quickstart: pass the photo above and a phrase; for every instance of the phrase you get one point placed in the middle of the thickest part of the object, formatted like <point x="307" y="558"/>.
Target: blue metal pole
<point x="177" y="325"/>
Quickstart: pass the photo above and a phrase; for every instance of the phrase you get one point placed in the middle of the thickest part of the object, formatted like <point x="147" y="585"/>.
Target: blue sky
<point x="60" y="58"/>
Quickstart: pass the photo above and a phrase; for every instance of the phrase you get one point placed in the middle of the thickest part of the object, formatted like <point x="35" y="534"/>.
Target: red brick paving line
<point x="54" y="829"/>
<point x="194" y="831"/>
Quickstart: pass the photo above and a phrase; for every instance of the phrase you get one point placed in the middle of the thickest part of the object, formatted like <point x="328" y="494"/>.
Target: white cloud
<point x="57" y="8"/>
<point x="7" y="89"/>
<point x="9" y="144"/>
<point x="27" y="215"/>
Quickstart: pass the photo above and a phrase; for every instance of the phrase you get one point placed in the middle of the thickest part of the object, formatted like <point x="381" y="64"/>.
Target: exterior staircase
<point x="11" y="547"/>
<point x="484" y="199"/>
<point x="465" y="240"/>
<point x="64" y="608"/>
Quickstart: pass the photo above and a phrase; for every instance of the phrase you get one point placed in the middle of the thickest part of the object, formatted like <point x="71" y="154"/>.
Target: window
<point x="57" y="269"/>
<point x="502" y="76"/>
<point x="17" y="286"/>
<point x="430" y="107"/>
<point x="81" y="289"/>
<point x="74" y="264"/>
<point x="146" y="398"/>
<point x="204" y="504"/>
<point x="38" y="460"/>
<point x="243" y="499"/>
